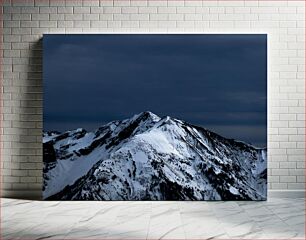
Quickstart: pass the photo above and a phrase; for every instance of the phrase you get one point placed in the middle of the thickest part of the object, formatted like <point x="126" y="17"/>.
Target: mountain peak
<point x="146" y="115"/>
<point x="148" y="157"/>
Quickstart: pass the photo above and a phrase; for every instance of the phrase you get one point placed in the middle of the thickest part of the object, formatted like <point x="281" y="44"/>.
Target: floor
<point x="274" y="219"/>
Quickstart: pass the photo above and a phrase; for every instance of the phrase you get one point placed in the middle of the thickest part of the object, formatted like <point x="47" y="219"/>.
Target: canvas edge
<point x="37" y="194"/>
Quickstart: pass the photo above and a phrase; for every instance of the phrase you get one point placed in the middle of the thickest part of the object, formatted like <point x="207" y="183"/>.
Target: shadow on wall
<point x="27" y="161"/>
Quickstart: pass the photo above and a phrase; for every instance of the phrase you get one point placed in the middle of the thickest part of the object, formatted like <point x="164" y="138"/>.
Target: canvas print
<point x="155" y="117"/>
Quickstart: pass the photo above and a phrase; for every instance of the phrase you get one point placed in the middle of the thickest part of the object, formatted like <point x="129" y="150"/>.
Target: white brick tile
<point x="190" y="10"/>
<point x="57" y="17"/>
<point x="40" y="17"/>
<point x="29" y="10"/>
<point x="122" y="3"/>
<point x="26" y="16"/>
<point x="221" y="24"/>
<point x="81" y="10"/>
<point x="81" y="24"/>
<point x="148" y="24"/>
<point x="48" y="10"/>
<point x="287" y="179"/>
<point x="190" y="3"/>
<point x="98" y="24"/>
<point x="96" y="10"/>
<point x="202" y="10"/>
<point x="112" y="10"/>
<point x="160" y="17"/>
<point x="91" y="3"/>
<point x="129" y="10"/>
<point x="26" y="3"/>
<point x="158" y="3"/>
<point x="74" y="16"/>
<point x="228" y="17"/>
<point x="166" y="10"/>
<point x="47" y="24"/>
<point x="90" y="16"/>
<point x="142" y="16"/>
<point x="147" y="9"/>
<point x="74" y="3"/>
<point x="176" y="17"/>
<point x="121" y="17"/>
<point x="130" y="24"/>
<point x="39" y="3"/>
<point x="63" y="10"/>
<point x="138" y="3"/>
<point x="106" y="3"/>
<point x="167" y="24"/>
<point x="105" y="17"/>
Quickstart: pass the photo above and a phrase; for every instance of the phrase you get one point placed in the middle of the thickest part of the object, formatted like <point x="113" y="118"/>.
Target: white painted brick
<point x="57" y="17"/>
<point x="287" y="165"/>
<point x="121" y="17"/>
<point x="112" y="10"/>
<point x="176" y="17"/>
<point x="74" y="16"/>
<point x="142" y="16"/>
<point x="96" y="10"/>
<point x="9" y="9"/>
<point x="166" y="10"/>
<point x="221" y="24"/>
<point x="139" y="3"/>
<point x="47" y="24"/>
<point x="63" y="10"/>
<point x="167" y="24"/>
<point x="39" y="17"/>
<point x="210" y="17"/>
<point x="158" y="17"/>
<point x="91" y="3"/>
<point x="90" y="16"/>
<point x="291" y="10"/>
<point x="300" y="179"/>
<point x="193" y="17"/>
<point x="242" y="10"/>
<point x="147" y="9"/>
<point x="287" y="179"/>
<point x="81" y="24"/>
<point x="81" y="10"/>
<point x="26" y="16"/>
<point x="228" y="17"/>
<point x="185" y="10"/>
<point x="268" y="10"/>
<point x="280" y="172"/>
<point x="98" y="24"/>
<point x="158" y="3"/>
<point x="21" y="31"/>
<point x="189" y="3"/>
<point x="202" y="10"/>
<point x="29" y="10"/>
<point x="106" y="17"/>
<point x="129" y="10"/>
<point x="130" y="24"/>
<point x="48" y="10"/>
<point x="11" y="24"/>
<point x="148" y="24"/>
<point x="296" y="172"/>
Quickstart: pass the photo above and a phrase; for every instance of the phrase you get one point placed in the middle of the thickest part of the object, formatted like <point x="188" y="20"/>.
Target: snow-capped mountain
<point x="151" y="158"/>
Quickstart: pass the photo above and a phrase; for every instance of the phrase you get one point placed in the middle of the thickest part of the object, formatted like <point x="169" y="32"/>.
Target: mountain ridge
<point x="151" y="158"/>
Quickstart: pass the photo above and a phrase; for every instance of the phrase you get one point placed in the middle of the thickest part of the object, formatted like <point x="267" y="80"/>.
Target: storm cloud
<point x="218" y="81"/>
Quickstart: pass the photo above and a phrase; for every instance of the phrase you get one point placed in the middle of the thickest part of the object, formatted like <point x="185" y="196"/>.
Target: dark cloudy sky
<point x="218" y="81"/>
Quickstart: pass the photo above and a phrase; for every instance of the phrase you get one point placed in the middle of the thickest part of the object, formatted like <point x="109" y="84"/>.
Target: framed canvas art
<point x="155" y="117"/>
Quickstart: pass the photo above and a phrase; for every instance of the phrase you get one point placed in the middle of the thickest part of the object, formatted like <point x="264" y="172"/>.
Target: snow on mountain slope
<point x="151" y="158"/>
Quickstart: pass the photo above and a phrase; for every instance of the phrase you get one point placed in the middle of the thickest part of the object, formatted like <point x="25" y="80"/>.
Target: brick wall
<point x="24" y="22"/>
